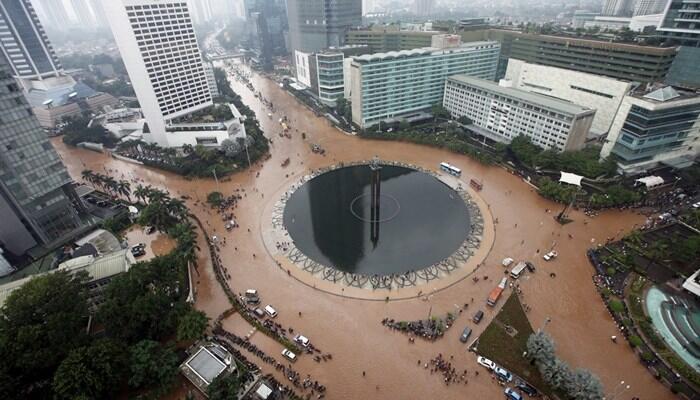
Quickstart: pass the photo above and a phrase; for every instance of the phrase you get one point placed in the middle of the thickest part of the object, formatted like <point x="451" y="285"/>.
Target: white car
<point x="485" y="362"/>
<point x="550" y="256"/>
<point x="289" y="355"/>
<point x="507" y="262"/>
<point x="302" y="340"/>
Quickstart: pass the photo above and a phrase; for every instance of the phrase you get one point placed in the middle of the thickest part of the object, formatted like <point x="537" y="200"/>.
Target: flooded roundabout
<point x="370" y="361"/>
<point x="379" y="226"/>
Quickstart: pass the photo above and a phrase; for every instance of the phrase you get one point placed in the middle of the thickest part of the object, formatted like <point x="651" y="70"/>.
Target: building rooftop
<point x="421" y="51"/>
<point x="98" y="268"/>
<point x="663" y="94"/>
<point x="542" y="100"/>
<point x="58" y="92"/>
<point x="205" y="364"/>
<point x="599" y="44"/>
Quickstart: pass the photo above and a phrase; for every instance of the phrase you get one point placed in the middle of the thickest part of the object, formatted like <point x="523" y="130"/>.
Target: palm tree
<point x="177" y="208"/>
<point x="141" y="193"/>
<point x="124" y="188"/>
<point x="99" y="180"/>
<point x="88" y="175"/>
<point x="110" y="184"/>
<point x="157" y="196"/>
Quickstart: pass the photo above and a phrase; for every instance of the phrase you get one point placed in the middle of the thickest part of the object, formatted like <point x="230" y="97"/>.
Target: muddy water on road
<point x="350" y="329"/>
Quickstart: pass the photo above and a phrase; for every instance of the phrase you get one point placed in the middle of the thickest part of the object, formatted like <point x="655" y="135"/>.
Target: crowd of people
<point x="306" y="383"/>
<point x="445" y="367"/>
<point x="429" y="329"/>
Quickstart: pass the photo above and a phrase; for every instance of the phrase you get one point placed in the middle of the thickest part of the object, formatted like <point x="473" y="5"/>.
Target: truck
<point x="496" y="292"/>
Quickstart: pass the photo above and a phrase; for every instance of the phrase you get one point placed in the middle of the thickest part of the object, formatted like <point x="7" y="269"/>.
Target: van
<point x="251" y="296"/>
<point x="270" y="311"/>
<point x="512" y="394"/>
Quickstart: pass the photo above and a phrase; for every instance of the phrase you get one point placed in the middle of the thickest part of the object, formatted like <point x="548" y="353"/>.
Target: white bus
<point x="518" y="269"/>
<point x="450" y="169"/>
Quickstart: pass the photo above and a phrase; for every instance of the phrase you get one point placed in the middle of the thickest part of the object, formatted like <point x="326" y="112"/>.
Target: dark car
<point x="465" y="335"/>
<point x="527" y="389"/>
<point x="478" y="316"/>
<point x="530" y="266"/>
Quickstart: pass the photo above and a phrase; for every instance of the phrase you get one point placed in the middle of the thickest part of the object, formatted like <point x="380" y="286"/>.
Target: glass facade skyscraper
<point x="315" y="25"/>
<point x="24" y="42"/>
<point x="650" y="128"/>
<point x="35" y="188"/>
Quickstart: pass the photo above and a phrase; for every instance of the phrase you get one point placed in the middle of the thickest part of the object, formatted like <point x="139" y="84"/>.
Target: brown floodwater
<point x="350" y="329"/>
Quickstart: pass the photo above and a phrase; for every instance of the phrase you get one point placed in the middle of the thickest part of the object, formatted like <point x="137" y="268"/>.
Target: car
<point x="507" y="262"/>
<point x="485" y="362"/>
<point x="512" y="394"/>
<point x="526" y="388"/>
<point x="302" y="340"/>
<point x="149" y="230"/>
<point x="502" y="374"/>
<point x="465" y="335"/>
<point x="269" y="310"/>
<point x="550" y="256"/>
<point x="696" y="205"/>
<point x="259" y="313"/>
<point x="289" y="355"/>
<point x="530" y="266"/>
<point x="138" y="251"/>
<point x="251" y="296"/>
<point x="478" y="316"/>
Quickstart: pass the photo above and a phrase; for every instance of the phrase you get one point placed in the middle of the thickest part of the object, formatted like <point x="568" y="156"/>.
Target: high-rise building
<point x="649" y="7"/>
<point x="389" y="38"/>
<point x="211" y="79"/>
<point x="99" y="13"/>
<point x="267" y="22"/>
<point x="403" y="85"/>
<point x="24" y="42"/>
<point x="324" y="72"/>
<point x="618" y="8"/>
<point x="201" y="11"/>
<point x="157" y="42"/>
<point x="52" y="94"/>
<point x="502" y="113"/>
<point x="422" y="8"/>
<point x="653" y="126"/>
<point x="54" y="13"/>
<point x="596" y="92"/>
<point x="627" y="62"/>
<point x="319" y="24"/>
<point x="83" y="14"/>
<point x="681" y="25"/>
<point x="35" y="188"/>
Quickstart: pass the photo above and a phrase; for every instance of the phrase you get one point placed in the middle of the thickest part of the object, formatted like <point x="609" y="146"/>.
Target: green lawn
<point x="506" y="350"/>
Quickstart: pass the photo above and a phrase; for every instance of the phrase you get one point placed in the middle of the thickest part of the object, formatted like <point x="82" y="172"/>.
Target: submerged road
<point x="350" y="329"/>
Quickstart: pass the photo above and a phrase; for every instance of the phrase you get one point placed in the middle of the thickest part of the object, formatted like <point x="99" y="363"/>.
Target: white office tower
<point x="649" y="7"/>
<point x="157" y="42"/>
<point x="618" y="8"/>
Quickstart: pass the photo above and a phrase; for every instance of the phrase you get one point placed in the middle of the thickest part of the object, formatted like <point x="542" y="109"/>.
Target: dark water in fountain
<point x="421" y="220"/>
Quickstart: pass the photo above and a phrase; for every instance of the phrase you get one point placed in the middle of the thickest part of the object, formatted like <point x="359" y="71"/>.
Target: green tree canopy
<point x="91" y="372"/>
<point x="192" y="325"/>
<point x="224" y="387"/>
<point x="152" y="366"/>
<point x="144" y="302"/>
<point x="41" y="322"/>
